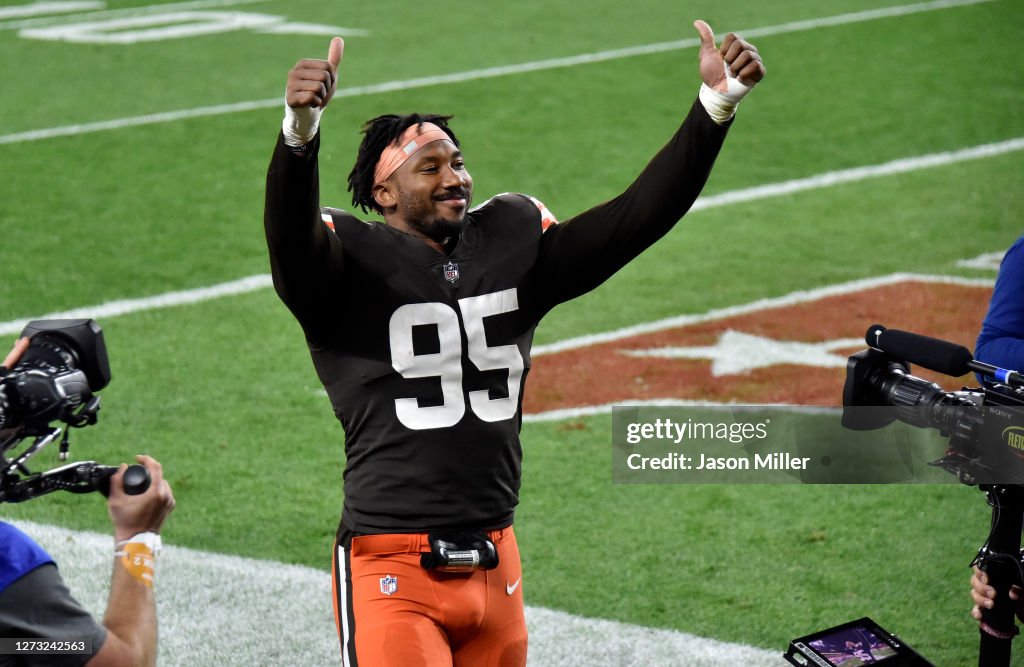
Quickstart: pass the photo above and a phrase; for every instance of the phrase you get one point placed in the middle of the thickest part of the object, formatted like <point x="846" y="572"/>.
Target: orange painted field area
<point x="792" y="354"/>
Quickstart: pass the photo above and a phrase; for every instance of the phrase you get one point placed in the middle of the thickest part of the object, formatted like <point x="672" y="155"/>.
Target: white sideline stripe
<point x="827" y="179"/>
<point x="485" y="73"/>
<point x="217" y="609"/>
<point x="791" y="299"/>
<point x="124" y="13"/>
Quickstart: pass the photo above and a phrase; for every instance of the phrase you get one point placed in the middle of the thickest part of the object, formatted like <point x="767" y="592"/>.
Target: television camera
<point x="55" y="379"/>
<point x="985" y="427"/>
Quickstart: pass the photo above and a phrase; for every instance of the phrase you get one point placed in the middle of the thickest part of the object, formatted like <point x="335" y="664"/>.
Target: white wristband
<point x="722" y="106"/>
<point x="151" y="540"/>
<point x="300" y="125"/>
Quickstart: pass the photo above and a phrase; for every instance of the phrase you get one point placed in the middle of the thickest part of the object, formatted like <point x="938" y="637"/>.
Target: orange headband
<point x="414" y="138"/>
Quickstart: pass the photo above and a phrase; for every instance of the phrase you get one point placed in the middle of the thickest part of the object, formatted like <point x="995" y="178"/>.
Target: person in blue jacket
<point x="1001" y="341"/>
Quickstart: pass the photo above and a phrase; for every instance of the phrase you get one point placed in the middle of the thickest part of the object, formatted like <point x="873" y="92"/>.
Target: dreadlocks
<point x="378" y="133"/>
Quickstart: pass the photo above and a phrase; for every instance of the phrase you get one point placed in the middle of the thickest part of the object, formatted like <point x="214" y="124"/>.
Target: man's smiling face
<point x="434" y="191"/>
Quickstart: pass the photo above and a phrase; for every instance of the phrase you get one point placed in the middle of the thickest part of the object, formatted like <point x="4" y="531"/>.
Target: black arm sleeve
<point x="39" y="606"/>
<point x="578" y="255"/>
<point x="305" y="256"/>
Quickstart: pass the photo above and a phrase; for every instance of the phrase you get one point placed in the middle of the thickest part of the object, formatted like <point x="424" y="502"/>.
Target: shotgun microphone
<point x="938" y="355"/>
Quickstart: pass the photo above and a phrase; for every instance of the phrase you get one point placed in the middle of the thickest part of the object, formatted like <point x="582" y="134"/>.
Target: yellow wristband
<point x="138" y="559"/>
<point x="138" y="556"/>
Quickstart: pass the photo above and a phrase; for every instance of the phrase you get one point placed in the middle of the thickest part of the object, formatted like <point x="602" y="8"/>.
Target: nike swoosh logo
<point x="511" y="588"/>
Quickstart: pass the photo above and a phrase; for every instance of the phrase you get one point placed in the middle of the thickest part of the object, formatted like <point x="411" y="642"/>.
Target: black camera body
<point x="56" y="377"/>
<point x="985" y="425"/>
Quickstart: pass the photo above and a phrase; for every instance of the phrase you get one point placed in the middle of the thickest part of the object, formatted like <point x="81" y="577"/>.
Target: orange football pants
<point x="391" y="612"/>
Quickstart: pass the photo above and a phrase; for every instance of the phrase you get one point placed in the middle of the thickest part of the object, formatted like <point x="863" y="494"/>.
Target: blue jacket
<point x="19" y="555"/>
<point x="1001" y="341"/>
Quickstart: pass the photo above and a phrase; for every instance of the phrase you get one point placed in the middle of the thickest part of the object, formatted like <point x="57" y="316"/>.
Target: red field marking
<point x="602" y="373"/>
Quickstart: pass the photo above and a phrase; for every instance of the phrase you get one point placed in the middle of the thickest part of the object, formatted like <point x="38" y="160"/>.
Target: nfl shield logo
<point x="451" y="272"/>
<point x="388" y="584"/>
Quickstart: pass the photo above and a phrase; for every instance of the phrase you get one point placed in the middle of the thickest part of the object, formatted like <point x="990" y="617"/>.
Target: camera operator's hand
<point x="985" y="595"/>
<point x="12" y="357"/>
<point x="131" y="611"/>
<point x="10" y="361"/>
<point x="143" y="513"/>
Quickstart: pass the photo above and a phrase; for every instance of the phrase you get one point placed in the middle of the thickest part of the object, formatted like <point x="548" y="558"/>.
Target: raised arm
<point x="304" y="254"/>
<point x="586" y="250"/>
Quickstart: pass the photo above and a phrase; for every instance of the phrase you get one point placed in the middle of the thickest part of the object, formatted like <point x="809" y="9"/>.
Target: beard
<point x="437" y="229"/>
<point x="423" y="217"/>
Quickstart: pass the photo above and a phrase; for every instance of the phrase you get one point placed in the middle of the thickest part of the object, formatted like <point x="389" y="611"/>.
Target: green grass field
<point x="224" y="394"/>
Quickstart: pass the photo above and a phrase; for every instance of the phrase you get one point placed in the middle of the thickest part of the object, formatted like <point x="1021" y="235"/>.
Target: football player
<point x="420" y="330"/>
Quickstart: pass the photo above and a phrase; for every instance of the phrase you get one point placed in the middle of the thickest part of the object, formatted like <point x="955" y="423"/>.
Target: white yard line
<point x="38" y="8"/>
<point x="989" y="261"/>
<point x="855" y="174"/>
<point x="827" y="179"/>
<point x="217" y="609"/>
<point x="123" y="13"/>
<point x="606" y="408"/>
<point x="165" y="300"/>
<point x="485" y="73"/>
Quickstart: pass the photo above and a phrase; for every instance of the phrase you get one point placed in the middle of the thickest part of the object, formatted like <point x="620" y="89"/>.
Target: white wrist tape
<point x="300" y="125"/>
<point x="722" y="106"/>
<point x="147" y="539"/>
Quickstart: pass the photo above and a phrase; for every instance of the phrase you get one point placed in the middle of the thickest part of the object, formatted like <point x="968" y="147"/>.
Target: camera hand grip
<point x="136" y="479"/>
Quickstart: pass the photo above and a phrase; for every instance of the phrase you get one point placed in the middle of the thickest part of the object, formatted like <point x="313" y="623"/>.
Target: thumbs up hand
<point x="736" y="59"/>
<point x="311" y="85"/>
<point x="728" y="72"/>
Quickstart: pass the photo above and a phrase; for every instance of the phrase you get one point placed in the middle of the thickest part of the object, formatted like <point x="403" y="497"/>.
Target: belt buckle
<point x="459" y="552"/>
